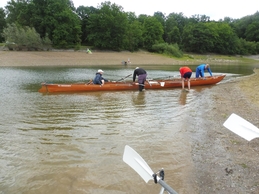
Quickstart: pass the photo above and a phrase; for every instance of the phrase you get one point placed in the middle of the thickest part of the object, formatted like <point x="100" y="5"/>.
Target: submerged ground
<point x="222" y="161"/>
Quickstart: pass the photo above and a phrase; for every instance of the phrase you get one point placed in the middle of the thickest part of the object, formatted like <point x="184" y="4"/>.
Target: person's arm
<point x="210" y="71"/>
<point x="134" y="76"/>
<point x="106" y="80"/>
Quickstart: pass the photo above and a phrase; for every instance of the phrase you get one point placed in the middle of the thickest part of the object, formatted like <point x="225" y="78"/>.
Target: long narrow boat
<point x="119" y="86"/>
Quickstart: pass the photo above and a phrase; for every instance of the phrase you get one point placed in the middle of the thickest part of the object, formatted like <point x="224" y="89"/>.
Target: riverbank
<point x="81" y="58"/>
<point x="225" y="162"/>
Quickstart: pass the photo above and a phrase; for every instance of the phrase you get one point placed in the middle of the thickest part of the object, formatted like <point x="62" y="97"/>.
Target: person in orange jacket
<point x="186" y="74"/>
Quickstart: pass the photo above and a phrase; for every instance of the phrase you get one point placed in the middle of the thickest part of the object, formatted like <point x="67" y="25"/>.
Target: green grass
<point x="244" y="165"/>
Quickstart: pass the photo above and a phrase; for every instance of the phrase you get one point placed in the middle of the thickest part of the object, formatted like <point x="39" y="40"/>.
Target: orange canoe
<point x="119" y="86"/>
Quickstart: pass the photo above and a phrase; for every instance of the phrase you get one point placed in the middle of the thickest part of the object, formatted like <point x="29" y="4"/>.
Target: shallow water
<point x="74" y="143"/>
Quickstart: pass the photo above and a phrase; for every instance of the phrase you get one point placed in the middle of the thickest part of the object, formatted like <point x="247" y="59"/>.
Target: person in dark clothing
<point x="99" y="79"/>
<point x="142" y="75"/>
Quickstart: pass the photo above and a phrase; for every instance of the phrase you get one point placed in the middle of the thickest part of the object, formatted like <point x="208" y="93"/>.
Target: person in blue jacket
<point x="201" y="68"/>
<point x="99" y="79"/>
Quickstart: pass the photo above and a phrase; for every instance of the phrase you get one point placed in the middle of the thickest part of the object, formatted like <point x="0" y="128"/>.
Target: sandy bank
<point x="81" y="58"/>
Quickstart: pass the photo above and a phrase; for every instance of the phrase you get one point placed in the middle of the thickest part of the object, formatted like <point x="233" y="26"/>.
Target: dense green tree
<point x="134" y="36"/>
<point x="17" y="12"/>
<point x="198" y="38"/>
<point x="172" y="32"/>
<point x="162" y="19"/>
<point x="152" y="32"/>
<point x="142" y="18"/>
<point x="245" y="48"/>
<point x="57" y="18"/>
<point x="226" y="39"/>
<point x="53" y="17"/>
<point x="210" y="37"/>
<point x="133" y="39"/>
<point x="252" y="31"/>
<point x="199" y="18"/>
<point x="2" y="23"/>
<point x="108" y="26"/>
<point x="84" y="14"/>
<point x="227" y="20"/>
<point x="174" y="28"/>
<point x="68" y="31"/>
<point x="247" y="27"/>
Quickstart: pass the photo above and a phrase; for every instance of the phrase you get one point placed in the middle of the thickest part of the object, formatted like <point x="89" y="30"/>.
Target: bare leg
<point x="182" y="83"/>
<point x="189" y="84"/>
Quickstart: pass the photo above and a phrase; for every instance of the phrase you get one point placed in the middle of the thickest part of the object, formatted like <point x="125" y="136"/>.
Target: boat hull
<point x="119" y="86"/>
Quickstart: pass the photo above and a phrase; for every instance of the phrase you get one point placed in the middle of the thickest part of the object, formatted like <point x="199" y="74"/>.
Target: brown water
<point x="74" y="143"/>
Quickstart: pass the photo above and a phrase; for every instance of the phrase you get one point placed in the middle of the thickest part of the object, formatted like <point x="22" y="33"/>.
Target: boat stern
<point x="44" y="88"/>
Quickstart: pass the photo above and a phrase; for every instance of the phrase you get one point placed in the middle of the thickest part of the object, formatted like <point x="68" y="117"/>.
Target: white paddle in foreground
<point x="241" y="127"/>
<point x="135" y="161"/>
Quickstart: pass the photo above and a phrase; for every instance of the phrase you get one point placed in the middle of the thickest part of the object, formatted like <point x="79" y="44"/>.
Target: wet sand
<point x="223" y="162"/>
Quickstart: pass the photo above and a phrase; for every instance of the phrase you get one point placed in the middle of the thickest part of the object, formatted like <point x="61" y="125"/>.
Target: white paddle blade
<point x="241" y="127"/>
<point x="135" y="161"/>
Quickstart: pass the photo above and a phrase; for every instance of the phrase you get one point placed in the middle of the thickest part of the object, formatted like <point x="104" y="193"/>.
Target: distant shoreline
<point x="81" y="58"/>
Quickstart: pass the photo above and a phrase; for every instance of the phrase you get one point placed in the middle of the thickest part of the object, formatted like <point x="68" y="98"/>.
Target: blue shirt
<point x="200" y="70"/>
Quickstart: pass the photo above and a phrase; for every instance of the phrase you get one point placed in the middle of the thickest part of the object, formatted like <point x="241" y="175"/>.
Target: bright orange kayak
<point x="119" y="86"/>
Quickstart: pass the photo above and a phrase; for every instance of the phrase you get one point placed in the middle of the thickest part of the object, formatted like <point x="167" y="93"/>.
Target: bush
<point x="168" y="49"/>
<point x="24" y="38"/>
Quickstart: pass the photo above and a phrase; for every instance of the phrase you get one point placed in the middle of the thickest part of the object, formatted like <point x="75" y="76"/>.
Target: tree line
<point x="39" y="24"/>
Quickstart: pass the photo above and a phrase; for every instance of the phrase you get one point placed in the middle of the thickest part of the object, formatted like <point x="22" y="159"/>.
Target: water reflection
<point x="138" y="99"/>
<point x="183" y="96"/>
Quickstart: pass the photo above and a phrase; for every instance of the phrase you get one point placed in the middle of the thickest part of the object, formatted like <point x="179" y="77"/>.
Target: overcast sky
<point x="215" y="9"/>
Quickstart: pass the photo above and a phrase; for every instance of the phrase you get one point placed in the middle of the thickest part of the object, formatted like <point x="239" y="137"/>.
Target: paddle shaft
<point x="135" y="161"/>
<point x="124" y="78"/>
<point x="167" y="187"/>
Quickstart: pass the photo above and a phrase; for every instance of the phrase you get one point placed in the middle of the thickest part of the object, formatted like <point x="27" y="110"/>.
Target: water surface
<point x="74" y="143"/>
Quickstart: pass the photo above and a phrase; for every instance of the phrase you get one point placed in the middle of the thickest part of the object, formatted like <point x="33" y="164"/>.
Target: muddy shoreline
<point x="223" y="162"/>
<point x="81" y="58"/>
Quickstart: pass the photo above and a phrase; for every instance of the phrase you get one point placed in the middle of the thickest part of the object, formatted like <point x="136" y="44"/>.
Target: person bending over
<point x="142" y="76"/>
<point x="201" y="68"/>
<point x="186" y="74"/>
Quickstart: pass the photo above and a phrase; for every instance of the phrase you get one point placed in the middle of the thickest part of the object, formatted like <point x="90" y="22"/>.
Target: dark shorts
<point x="187" y="75"/>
